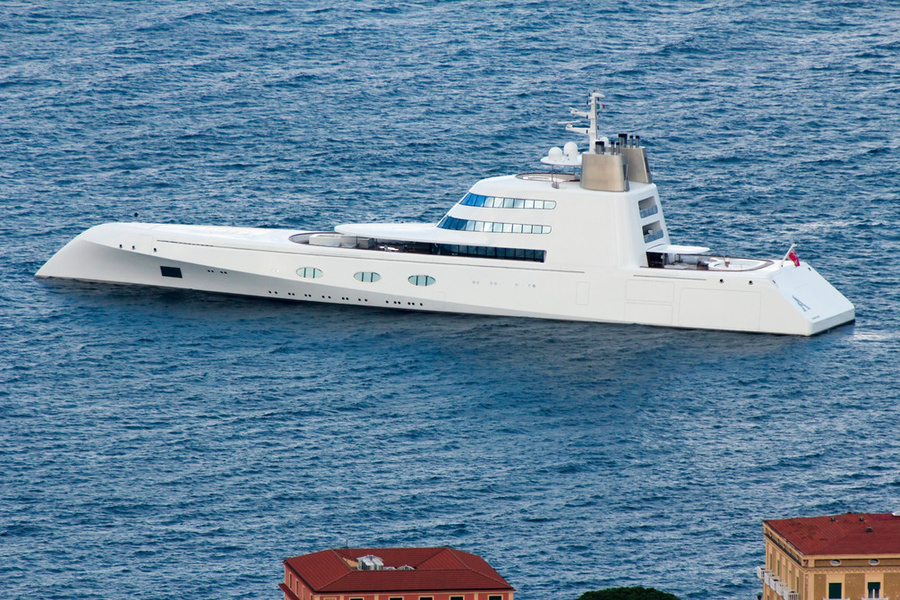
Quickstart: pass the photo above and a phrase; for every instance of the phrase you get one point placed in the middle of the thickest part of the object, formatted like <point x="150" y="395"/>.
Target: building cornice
<point x="859" y="569"/>
<point x="792" y="553"/>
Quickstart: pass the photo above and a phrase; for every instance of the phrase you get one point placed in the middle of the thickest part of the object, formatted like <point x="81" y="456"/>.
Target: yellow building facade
<point x="852" y="556"/>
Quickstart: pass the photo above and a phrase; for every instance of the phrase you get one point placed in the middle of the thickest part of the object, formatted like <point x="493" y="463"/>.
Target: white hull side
<point x="264" y="263"/>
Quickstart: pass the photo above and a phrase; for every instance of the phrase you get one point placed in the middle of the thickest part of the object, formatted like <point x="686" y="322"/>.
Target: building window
<point x="309" y="272"/>
<point x="367" y="276"/>
<point x="834" y="590"/>
<point x="874" y="589"/>
<point x="426" y="598"/>
<point x="495" y="597"/>
<point x="456" y="598"/>
<point x="421" y="279"/>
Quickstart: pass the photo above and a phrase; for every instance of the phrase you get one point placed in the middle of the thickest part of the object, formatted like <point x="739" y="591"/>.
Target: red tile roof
<point x="852" y="533"/>
<point x="434" y="569"/>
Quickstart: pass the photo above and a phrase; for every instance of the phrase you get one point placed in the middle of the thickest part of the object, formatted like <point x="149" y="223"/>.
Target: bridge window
<point x="453" y="223"/>
<point x="498" y="202"/>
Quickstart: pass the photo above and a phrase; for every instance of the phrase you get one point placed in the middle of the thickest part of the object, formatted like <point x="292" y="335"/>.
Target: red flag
<point x="793" y="256"/>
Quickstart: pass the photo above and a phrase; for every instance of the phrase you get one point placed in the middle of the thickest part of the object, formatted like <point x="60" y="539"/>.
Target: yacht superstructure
<point x="590" y="244"/>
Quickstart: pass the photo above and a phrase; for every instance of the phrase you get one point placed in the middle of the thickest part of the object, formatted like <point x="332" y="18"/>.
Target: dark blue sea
<point x="160" y="444"/>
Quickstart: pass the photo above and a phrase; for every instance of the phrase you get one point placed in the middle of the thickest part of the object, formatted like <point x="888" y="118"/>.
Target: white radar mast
<point x="568" y="156"/>
<point x="591" y="116"/>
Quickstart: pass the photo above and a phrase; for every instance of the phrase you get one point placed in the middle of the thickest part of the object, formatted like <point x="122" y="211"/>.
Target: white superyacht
<point x="584" y="242"/>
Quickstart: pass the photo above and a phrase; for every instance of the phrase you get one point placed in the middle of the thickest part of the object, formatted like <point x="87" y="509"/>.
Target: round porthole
<point x="835" y="562"/>
<point x="309" y="272"/>
<point x="873" y="561"/>
<point x="421" y="279"/>
<point x="367" y="276"/>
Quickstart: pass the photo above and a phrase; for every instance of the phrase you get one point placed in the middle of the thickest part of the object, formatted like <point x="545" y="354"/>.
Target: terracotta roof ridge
<point x="436" y="550"/>
<point x="341" y="560"/>
<point x="332" y="552"/>
<point x="492" y="573"/>
<point x="498" y="579"/>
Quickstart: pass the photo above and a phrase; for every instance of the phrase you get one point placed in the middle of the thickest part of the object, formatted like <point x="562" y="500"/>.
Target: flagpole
<point x="788" y="254"/>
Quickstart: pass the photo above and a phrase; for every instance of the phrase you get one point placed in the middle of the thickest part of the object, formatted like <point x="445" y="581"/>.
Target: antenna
<point x="568" y="156"/>
<point x="591" y="115"/>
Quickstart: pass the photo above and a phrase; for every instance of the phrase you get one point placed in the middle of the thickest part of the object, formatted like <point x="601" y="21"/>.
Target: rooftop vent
<point x="370" y="563"/>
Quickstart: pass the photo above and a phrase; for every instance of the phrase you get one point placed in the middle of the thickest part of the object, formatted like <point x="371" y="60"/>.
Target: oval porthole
<point x="421" y="279"/>
<point x="367" y="276"/>
<point x="873" y="561"/>
<point x="835" y="562"/>
<point x="309" y="272"/>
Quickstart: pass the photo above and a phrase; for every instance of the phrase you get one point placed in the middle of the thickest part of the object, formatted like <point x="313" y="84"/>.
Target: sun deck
<point x="716" y="263"/>
<point x="339" y="240"/>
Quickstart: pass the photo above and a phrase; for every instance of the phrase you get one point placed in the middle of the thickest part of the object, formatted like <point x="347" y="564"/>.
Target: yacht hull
<point x="780" y="299"/>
